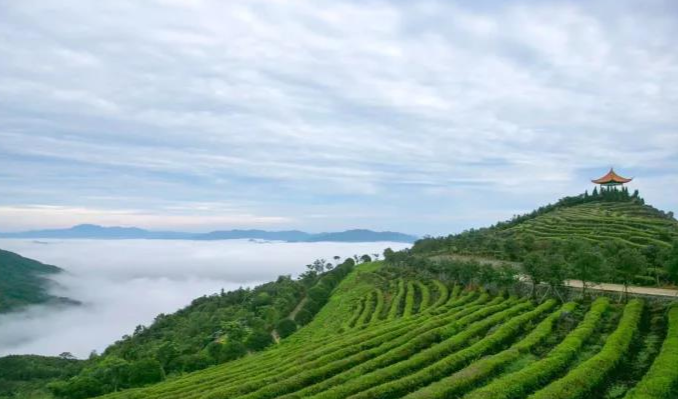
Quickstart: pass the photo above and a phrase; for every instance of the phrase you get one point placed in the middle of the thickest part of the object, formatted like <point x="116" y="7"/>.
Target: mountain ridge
<point x="92" y="231"/>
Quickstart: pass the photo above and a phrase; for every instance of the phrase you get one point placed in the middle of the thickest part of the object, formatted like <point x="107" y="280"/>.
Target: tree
<point x="145" y="371"/>
<point x="318" y="266"/>
<point x="221" y="353"/>
<point x="214" y="349"/>
<point x="286" y="327"/>
<point x="113" y="371"/>
<point x="303" y="317"/>
<point x="555" y="272"/>
<point x="319" y="293"/>
<point x="512" y="248"/>
<point x="258" y="340"/>
<point x="167" y="352"/>
<point x="506" y="275"/>
<point x="587" y="265"/>
<point x="535" y="268"/>
<point x="234" y="330"/>
<point x="188" y="363"/>
<point x="529" y="242"/>
<point x="365" y="258"/>
<point x="627" y="264"/>
<point x="487" y="274"/>
<point x="67" y="356"/>
<point x="232" y="350"/>
<point x="77" y="387"/>
<point x="671" y="263"/>
<point x="261" y="299"/>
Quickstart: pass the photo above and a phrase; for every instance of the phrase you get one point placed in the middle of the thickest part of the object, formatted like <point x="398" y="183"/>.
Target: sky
<point x="425" y="117"/>
<point x="124" y="283"/>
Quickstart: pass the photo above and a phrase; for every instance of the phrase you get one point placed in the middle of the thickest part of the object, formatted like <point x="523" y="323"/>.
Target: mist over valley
<point x="124" y="283"/>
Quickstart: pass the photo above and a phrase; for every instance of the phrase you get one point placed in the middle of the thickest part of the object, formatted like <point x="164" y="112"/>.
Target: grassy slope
<point x="342" y="302"/>
<point x="23" y="281"/>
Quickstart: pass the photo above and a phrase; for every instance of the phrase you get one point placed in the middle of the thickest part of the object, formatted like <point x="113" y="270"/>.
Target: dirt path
<point x="664" y="292"/>
<point x="297" y="309"/>
<point x="292" y="315"/>
<point x="620" y="288"/>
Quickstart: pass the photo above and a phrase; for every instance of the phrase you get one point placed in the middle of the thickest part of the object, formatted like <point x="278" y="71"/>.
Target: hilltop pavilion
<point x="611" y="179"/>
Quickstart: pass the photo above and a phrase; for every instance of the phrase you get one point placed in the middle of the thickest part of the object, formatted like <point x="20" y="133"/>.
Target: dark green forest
<point x="25" y="376"/>
<point x="23" y="281"/>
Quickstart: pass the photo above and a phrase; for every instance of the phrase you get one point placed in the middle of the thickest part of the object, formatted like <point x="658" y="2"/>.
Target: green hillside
<point x="430" y="322"/>
<point x="23" y="281"/>
<point x="397" y="331"/>
<point x="603" y="224"/>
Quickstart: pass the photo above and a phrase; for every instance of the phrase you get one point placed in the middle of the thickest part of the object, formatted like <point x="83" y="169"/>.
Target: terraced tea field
<point x="416" y="337"/>
<point x="624" y="222"/>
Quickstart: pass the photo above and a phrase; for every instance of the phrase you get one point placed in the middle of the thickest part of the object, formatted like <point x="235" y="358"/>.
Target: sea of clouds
<point x="124" y="283"/>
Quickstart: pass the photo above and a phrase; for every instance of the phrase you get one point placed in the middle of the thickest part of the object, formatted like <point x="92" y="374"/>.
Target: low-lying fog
<point x="124" y="283"/>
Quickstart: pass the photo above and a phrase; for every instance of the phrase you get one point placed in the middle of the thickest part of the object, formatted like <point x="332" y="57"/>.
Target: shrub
<point x="379" y="306"/>
<point x="402" y="383"/>
<point x="518" y="384"/>
<point x="409" y="300"/>
<point x="286" y="327"/>
<point x="485" y="367"/>
<point x="258" y="340"/>
<point x="303" y="317"/>
<point x="319" y="293"/>
<point x="395" y="302"/>
<point x="425" y="296"/>
<point x="661" y="381"/>
<point x="145" y="371"/>
<point x="188" y="363"/>
<point x="442" y="294"/>
<point x="582" y="379"/>
<point x="232" y="350"/>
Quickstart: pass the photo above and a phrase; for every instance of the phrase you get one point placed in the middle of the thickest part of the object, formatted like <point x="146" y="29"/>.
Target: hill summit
<point x="608" y="215"/>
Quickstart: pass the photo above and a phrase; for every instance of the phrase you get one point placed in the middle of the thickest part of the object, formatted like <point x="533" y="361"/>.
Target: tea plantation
<point x="389" y="332"/>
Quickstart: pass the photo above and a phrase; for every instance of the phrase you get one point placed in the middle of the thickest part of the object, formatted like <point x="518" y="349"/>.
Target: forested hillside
<point x="23" y="281"/>
<point x="25" y="376"/>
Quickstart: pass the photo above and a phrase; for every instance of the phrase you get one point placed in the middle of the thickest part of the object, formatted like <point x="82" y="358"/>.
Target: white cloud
<point x="199" y="216"/>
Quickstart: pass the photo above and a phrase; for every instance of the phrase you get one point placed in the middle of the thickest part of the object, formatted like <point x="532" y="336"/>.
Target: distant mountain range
<point x="124" y="233"/>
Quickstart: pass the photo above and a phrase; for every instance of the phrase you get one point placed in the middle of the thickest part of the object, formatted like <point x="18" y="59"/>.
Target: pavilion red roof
<point x="611" y="177"/>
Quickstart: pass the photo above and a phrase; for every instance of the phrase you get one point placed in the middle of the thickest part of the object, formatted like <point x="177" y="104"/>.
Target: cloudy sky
<point x="422" y="117"/>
